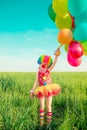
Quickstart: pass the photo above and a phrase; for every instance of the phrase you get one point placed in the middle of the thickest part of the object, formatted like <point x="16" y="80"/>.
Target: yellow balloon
<point x="65" y="36"/>
<point x="64" y="22"/>
<point x="60" y="7"/>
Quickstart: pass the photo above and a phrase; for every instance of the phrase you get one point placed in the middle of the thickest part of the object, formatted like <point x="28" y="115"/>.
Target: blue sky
<point x="26" y="32"/>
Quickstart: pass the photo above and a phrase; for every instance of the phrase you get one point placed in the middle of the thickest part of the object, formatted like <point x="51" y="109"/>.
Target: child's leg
<point x="49" y="109"/>
<point x="41" y="111"/>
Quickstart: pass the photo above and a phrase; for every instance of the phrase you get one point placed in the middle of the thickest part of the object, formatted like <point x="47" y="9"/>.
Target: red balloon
<point x="75" y="49"/>
<point x="73" y="24"/>
<point x="74" y="61"/>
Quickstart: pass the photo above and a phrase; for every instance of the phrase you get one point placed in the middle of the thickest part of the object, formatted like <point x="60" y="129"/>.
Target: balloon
<point x="80" y="32"/>
<point x="82" y="18"/>
<point x="75" y="49"/>
<point x="73" y="22"/>
<point x="60" y="7"/>
<point x="51" y="13"/>
<point x="64" y="22"/>
<point x="65" y="36"/>
<point x="84" y="44"/>
<point x="66" y="47"/>
<point x="74" y="61"/>
<point x="76" y="7"/>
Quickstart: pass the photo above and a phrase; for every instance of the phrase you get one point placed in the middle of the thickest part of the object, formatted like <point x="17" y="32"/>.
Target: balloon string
<point x="60" y="46"/>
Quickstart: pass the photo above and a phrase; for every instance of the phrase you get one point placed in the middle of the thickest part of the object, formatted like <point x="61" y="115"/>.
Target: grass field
<point x="19" y="112"/>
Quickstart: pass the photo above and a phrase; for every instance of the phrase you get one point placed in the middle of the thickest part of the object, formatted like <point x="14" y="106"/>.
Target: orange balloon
<point x="65" y="36"/>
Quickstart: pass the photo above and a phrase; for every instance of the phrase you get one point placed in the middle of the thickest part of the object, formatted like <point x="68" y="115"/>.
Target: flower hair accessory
<point x="45" y="59"/>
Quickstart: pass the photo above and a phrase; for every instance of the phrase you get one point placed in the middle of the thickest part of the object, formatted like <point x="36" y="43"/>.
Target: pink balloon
<point x="75" y="49"/>
<point x="74" y="61"/>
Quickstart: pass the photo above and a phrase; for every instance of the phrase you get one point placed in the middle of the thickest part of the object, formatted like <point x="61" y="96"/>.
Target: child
<point x="46" y="89"/>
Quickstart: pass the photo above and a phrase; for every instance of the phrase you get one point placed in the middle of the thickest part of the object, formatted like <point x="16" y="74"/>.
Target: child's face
<point x="44" y="65"/>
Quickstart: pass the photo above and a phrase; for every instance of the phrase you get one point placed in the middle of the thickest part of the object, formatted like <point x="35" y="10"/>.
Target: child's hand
<point x="57" y="52"/>
<point x="31" y="94"/>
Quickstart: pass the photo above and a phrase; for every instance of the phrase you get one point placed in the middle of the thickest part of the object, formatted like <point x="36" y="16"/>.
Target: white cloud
<point x="14" y="64"/>
<point x="64" y="66"/>
<point x="20" y="51"/>
<point x="27" y="64"/>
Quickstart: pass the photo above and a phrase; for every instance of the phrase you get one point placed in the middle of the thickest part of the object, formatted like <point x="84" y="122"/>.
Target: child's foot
<point x="41" y="125"/>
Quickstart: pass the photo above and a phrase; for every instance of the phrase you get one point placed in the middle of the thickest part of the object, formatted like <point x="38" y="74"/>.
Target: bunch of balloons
<point x="70" y="17"/>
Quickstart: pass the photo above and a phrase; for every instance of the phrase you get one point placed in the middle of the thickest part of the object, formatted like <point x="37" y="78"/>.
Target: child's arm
<point x="36" y="82"/>
<point x="57" y="53"/>
<point x="34" y="86"/>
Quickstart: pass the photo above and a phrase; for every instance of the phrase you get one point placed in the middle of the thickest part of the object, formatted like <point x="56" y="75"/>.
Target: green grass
<point x="19" y="112"/>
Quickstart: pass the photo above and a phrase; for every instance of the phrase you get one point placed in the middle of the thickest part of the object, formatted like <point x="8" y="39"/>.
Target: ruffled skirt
<point x="48" y="90"/>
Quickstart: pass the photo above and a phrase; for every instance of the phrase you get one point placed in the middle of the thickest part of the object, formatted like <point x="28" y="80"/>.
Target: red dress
<point x="46" y="88"/>
<point x="44" y="77"/>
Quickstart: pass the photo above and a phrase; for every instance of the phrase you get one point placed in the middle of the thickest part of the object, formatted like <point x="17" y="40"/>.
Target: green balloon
<point x="66" y="47"/>
<point x="51" y="13"/>
<point x="84" y="44"/>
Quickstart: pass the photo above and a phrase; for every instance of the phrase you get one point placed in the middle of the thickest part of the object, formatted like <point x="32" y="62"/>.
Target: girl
<point x="46" y="89"/>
